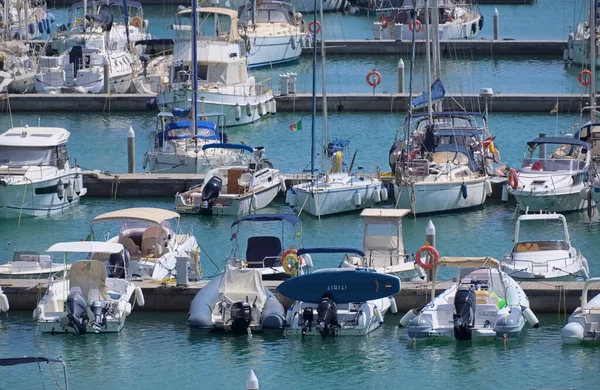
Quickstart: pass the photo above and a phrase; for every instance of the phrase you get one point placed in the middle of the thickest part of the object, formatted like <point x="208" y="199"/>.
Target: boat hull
<point x="448" y="31"/>
<point x="320" y="203"/>
<point x="273" y="50"/>
<point x="557" y="202"/>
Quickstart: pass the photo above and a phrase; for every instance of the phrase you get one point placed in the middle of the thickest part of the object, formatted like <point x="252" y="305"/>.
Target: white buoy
<point x="70" y="191"/>
<point x="412" y="313"/>
<point x="139" y="296"/>
<point x="248" y="109"/>
<point x="252" y="381"/>
<point x="530" y="317"/>
<point x="238" y="112"/>
<point x="376" y="194"/>
<point x="572" y="333"/>
<point x="60" y="189"/>
<point x="261" y="109"/>
<point x="77" y="184"/>
<point x="393" y="304"/>
<point x="378" y="315"/>
<point x="292" y="197"/>
<point x="384" y="193"/>
<point x="4" y="306"/>
<point x="505" y="193"/>
<point x="356" y="198"/>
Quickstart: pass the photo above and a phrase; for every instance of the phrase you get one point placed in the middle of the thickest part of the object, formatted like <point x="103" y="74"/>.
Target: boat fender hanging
<point x="513" y="181"/>
<point x="374" y="78"/>
<point x="248" y="109"/>
<point x="481" y="23"/>
<point x="393" y="304"/>
<point x="145" y="162"/>
<point x="40" y="27"/>
<point x="383" y="19"/>
<point x="60" y="189"/>
<point x="412" y="313"/>
<point x="384" y="193"/>
<point x="432" y="251"/>
<point x="377" y="194"/>
<point x="70" y="191"/>
<point x="474" y="28"/>
<point x="356" y="198"/>
<point x="530" y="317"/>
<point x="254" y="202"/>
<point x="488" y="187"/>
<point x="291" y="262"/>
<point x="293" y="43"/>
<point x="292" y="198"/>
<point x="4" y="306"/>
<point x="585" y="77"/>
<point x="261" y="109"/>
<point x="139" y="296"/>
<point x="77" y="184"/>
<point x="273" y="108"/>
<point x="238" y="112"/>
<point x="411" y="26"/>
<point x="282" y="186"/>
<point x="463" y="190"/>
<point x="248" y="45"/>
<point x="378" y="314"/>
<point x="289" y="317"/>
<point x="311" y="25"/>
<point x="589" y="207"/>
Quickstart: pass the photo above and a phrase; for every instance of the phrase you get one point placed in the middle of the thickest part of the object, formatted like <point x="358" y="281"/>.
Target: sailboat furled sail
<point x="438" y="92"/>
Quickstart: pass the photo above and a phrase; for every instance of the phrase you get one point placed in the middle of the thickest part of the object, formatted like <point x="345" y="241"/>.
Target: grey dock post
<point x="106" y="76"/>
<point x="131" y="150"/>
<point x="400" y="76"/>
<point x="496" y="28"/>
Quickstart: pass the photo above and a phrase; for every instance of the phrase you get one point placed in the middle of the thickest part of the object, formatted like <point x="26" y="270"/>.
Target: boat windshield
<point x="265" y="15"/>
<point x="24" y="156"/>
<point x="536" y="231"/>
<point x="482" y="279"/>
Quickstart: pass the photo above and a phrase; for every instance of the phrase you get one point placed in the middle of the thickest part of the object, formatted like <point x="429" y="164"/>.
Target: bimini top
<point x="558" y="140"/>
<point x="86" y="247"/>
<point x="467" y="262"/>
<point x="148" y="214"/>
<point x="229" y="146"/>
<point x="291" y="218"/>
<point x="34" y="136"/>
<point x="332" y="249"/>
<point x="211" y="10"/>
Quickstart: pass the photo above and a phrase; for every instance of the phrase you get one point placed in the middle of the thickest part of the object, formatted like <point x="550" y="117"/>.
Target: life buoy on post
<point x="432" y="251"/>
<point x="585" y="77"/>
<point x="311" y="25"/>
<point x="513" y="181"/>
<point x="412" y="23"/>
<point x="383" y="19"/>
<point x="374" y="78"/>
<point x="291" y="262"/>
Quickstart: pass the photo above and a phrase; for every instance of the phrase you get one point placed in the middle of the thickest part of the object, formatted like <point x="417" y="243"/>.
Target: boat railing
<point x="552" y="164"/>
<point x="546" y="266"/>
<point x="260" y="87"/>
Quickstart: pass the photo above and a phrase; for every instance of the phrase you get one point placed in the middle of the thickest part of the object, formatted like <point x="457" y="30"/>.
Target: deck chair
<point x="263" y="250"/>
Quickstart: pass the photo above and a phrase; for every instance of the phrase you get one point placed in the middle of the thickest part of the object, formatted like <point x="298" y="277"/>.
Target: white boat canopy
<point x="467" y="262"/>
<point x="86" y="247"/>
<point x="32" y="137"/>
<point x="148" y="214"/>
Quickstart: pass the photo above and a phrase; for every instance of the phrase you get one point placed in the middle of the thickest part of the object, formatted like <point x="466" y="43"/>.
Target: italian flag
<point x="296" y="126"/>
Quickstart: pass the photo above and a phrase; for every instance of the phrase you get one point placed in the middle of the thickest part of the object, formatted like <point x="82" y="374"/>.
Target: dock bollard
<point x="496" y="29"/>
<point x="106" y="76"/>
<point x="400" y="76"/>
<point x="131" y="150"/>
<point x="430" y="239"/>
<point x="251" y="381"/>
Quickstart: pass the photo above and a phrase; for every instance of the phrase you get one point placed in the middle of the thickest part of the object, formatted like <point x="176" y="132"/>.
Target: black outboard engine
<point x="327" y="317"/>
<point x="117" y="263"/>
<point x="99" y="309"/>
<point x="464" y="306"/>
<point x="241" y="316"/>
<point x="77" y="312"/>
<point x="307" y="319"/>
<point x="210" y="193"/>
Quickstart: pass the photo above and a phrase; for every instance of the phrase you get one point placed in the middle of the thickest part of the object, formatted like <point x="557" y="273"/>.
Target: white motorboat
<point x="552" y="181"/>
<point x="264" y="250"/>
<point x="222" y="75"/>
<point x="176" y="148"/>
<point x="233" y="189"/>
<point x="273" y="31"/>
<point x="484" y="303"/>
<point x="4" y="305"/>
<point x="457" y="20"/>
<point x="584" y="323"/>
<point x="31" y="265"/>
<point x="236" y="301"/>
<point x="543" y="250"/>
<point x="35" y="174"/>
<point x="18" y="70"/>
<point x="384" y="246"/>
<point x="151" y="240"/>
<point x="88" y="300"/>
<point x="338" y="301"/>
<point x="338" y="191"/>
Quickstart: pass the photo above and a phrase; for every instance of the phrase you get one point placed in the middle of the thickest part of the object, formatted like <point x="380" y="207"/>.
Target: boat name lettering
<point x="335" y="287"/>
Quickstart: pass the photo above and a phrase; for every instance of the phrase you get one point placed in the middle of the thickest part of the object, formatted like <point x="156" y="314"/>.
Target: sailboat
<point x="442" y="162"/>
<point x="338" y="190"/>
<point x="579" y="51"/>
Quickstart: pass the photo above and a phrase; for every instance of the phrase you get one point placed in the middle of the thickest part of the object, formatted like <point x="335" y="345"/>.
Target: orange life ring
<point x="412" y="23"/>
<point x="414" y="153"/>
<point x="310" y="27"/>
<point x="290" y="261"/>
<point x="432" y="251"/>
<point x="585" y="77"/>
<point x="383" y="19"/>
<point x="374" y="78"/>
<point x="137" y="22"/>
<point x="513" y="181"/>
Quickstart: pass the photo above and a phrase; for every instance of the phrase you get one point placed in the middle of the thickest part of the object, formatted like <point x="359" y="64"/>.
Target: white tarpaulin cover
<point x="237" y="284"/>
<point x="89" y="275"/>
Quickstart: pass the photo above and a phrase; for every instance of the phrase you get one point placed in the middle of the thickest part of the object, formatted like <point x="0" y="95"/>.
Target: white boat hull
<point x="442" y="196"/>
<point x="557" y="201"/>
<point x="448" y="31"/>
<point x="327" y="202"/>
<point x="268" y="51"/>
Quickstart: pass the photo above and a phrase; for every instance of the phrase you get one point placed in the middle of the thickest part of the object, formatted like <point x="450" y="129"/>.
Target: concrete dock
<point x="544" y="297"/>
<point x="359" y="102"/>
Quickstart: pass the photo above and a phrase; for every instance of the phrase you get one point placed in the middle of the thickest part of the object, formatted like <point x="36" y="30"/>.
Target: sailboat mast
<point x="437" y="66"/>
<point x="314" y="92"/>
<point x="193" y="67"/>
<point x="324" y="90"/>
<point x="593" y="60"/>
<point x="428" y="61"/>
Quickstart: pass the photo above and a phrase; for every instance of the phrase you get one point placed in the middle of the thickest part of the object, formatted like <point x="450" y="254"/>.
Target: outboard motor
<point x="77" y="312"/>
<point x="99" y="309"/>
<point x="210" y="193"/>
<point x="307" y="319"/>
<point x="241" y="316"/>
<point x="464" y="307"/>
<point x="117" y="263"/>
<point x="327" y="317"/>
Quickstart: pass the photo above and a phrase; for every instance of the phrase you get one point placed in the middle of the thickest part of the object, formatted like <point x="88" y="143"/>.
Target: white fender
<point x="238" y="112"/>
<point x="412" y="313"/>
<point x="60" y="189"/>
<point x="362" y="320"/>
<point x="77" y="185"/>
<point x="378" y="314"/>
<point x="4" y="306"/>
<point x="273" y="106"/>
<point x="70" y="191"/>
<point x="420" y="271"/>
<point x="261" y="109"/>
<point x="530" y="317"/>
<point x="584" y="193"/>
<point x="384" y="193"/>
<point x="488" y="187"/>
<point x="393" y="304"/>
<point x="289" y="317"/>
<point x="292" y="198"/>
<point x="139" y="296"/>
<point x="356" y="198"/>
<point x="254" y="202"/>
<point x="376" y="194"/>
<point x="248" y="109"/>
<point x="128" y="308"/>
<point x="36" y="313"/>
<point x="282" y="186"/>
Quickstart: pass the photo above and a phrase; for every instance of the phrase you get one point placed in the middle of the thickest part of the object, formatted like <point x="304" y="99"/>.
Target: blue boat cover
<point x="558" y="141"/>
<point x="291" y="218"/>
<point x="206" y="130"/>
<point x="229" y="146"/>
<point x="337" y="146"/>
<point x="181" y="112"/>
<point x="332" y="249"/>
<point x="437" y="93"/>
<point x="26" y="360"/>
<point x="467" y="132"/>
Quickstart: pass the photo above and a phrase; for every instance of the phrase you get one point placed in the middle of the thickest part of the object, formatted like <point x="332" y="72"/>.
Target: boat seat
<point x="150" y="246"/>
<point x="481" y="296"/>
<point x="245" y="180"/>
<point x="263" y="251"/>
<point x="130" y="245"/>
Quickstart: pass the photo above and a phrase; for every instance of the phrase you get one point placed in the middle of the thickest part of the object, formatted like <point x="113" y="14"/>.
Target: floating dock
<point x="544" y="297"/>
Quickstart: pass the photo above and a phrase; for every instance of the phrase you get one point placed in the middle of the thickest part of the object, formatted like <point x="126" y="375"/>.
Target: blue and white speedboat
<point x="337" y="301"/>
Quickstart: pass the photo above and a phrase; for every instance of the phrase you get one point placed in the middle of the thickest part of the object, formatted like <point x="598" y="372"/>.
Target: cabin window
<point x="202" y="72"/>
<point x="22" y="156"/>
<point x="46" y="190"/>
